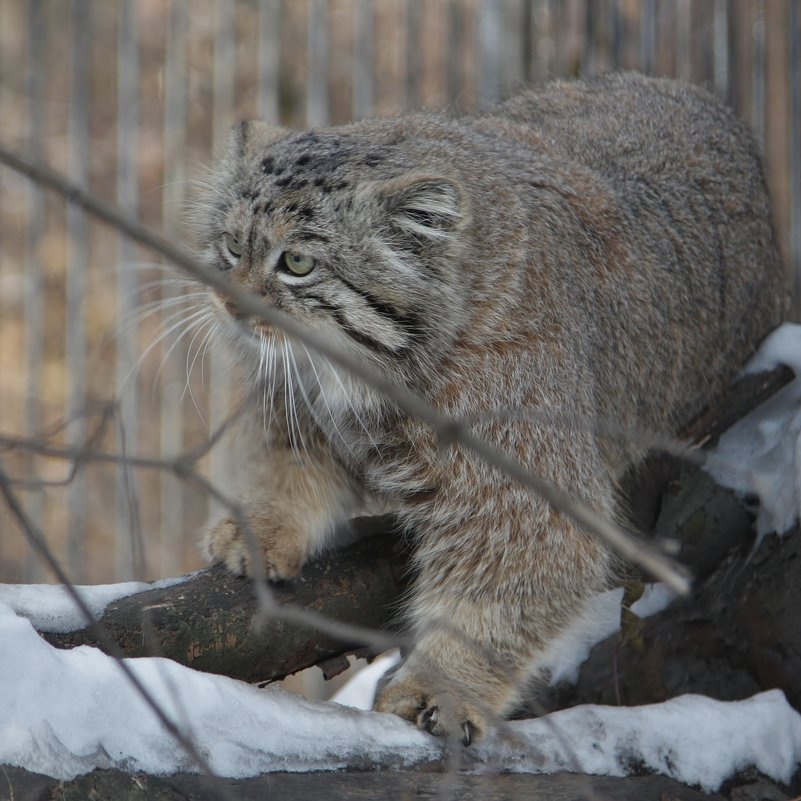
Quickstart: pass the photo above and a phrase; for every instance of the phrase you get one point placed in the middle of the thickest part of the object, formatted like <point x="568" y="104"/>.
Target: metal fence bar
<point x="269" y="60"/>
<point x="224" y="77"/>
<point x="647" y="35"/>
<point x="413" y="44"/>
<point x="758" y="73"/>
<point x="454" y="80"/>
<point x="683" y="39"/>
<point x="721" y="48"/>
<point x="173" y="372"/>
<point x="511" y="47"/>
<point x="363" y="60"/>
<point x="76" y="282"/>
<point x="795" y="154"/>
<point x="34" y="268"/>
<point x="128" y="545"/>
<point x="317" y="86"/>
<point x="489" y="36"/>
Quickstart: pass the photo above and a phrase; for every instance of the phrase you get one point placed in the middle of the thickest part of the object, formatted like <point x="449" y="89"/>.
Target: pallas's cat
<point x="598" y="249"/>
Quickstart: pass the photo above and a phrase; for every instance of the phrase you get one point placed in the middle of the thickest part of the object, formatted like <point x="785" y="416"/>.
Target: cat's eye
<point x="233" y="245"/>
<point x="297" y="263"/>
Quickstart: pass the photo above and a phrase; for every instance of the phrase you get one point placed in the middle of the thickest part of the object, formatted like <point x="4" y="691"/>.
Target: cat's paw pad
<point x="280" y="553"/>
<point x="439" y="712"/>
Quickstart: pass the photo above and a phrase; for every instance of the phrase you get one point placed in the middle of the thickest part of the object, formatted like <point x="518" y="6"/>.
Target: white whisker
<point x="161" y="337"/>
<point x="325" y="401"/>
<point x="196" y="320"/>
<point x="352" y="407"/>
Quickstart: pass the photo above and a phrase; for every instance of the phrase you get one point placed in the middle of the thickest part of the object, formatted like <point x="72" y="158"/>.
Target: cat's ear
<point x="251" y="137"/>
<point x="425" y="207"/>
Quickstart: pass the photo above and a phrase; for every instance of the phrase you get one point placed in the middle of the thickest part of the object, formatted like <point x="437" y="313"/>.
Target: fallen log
<point x="360" y="786"/>
<point x="212" y="621"/>
<point x="737" y="634"/>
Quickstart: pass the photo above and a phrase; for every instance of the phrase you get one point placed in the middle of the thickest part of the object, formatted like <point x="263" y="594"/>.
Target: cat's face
<point x="342" y="236"/>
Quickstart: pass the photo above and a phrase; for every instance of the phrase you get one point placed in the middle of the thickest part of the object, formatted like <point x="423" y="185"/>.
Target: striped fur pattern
<point x="599" y="248"/>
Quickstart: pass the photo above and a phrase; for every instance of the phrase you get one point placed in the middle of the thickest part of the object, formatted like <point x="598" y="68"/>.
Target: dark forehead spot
<point x="306" y="213"/>
<point x="282" y="183"/>
<point x="304" y="159"/>
<point x="372" y="159"/>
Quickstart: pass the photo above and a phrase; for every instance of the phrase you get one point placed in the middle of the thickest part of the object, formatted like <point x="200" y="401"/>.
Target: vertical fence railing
<point x="721" y="48"/>
<point x="172" y="377"/>
<point x="128" y="535"/>
<point x="317" y="56"/>
<point x="758" y="72"/>
<point x="470" y="53"/>
<point x="489" y="33"/>
<point x="76" y="280"/>
<point x="412" y="61"/>
<point x="34" y="268"/>
<point x="795" y="153"/>
<point x="223" y="104"/>
<point x="683" y="39"/>
<point x="363" y="60"/>
<point x="648" y="35"/>
<point x="269" y="60"/>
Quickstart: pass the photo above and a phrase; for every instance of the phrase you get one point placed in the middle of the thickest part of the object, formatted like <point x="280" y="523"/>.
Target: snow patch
<point x="51" y="609"/>
<point x="693" y="739"/>
<point x="761" y="454"/>
<point x="599" y="620"/>
<point x="64" y="713"/>
<point x="359" y="692"/>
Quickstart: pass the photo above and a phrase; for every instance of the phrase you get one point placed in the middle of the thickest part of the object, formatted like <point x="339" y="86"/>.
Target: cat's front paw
<point x="281" y="548"/>
<point x="439" y="707"/>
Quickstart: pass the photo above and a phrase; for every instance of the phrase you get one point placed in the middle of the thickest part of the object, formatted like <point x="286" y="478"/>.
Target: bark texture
<point x="113" y="785"/>
<point x="212" y="621"/>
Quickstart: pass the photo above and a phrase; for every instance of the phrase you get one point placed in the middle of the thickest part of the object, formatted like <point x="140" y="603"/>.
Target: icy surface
<point x="359" y="692"/>
<point x="600" y="619"/>
<point x="50" y="608"/>
<point x="64" y="713"/>
<point x="761" y="454"/>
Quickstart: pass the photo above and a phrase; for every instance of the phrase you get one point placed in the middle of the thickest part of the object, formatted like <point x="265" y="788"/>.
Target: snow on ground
<point x="761" y="453"/>
<point x="51" y="608"/>
<point x="63" y="713"/>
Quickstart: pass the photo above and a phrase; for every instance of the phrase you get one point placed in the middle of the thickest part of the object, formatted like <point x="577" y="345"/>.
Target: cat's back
<point x="666" y="184"/>
<point x="628" y="124"/>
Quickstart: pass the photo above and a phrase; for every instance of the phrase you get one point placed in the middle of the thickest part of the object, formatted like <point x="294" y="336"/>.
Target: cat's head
<point x="346" y="232"/>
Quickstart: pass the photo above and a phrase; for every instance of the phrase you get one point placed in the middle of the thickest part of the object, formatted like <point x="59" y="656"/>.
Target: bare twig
<point x="447" y="429"/>
<point x="37" y="541"/>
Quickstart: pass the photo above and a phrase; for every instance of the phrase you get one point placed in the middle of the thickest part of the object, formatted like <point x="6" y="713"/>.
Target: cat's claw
<point x="441" y="714"/>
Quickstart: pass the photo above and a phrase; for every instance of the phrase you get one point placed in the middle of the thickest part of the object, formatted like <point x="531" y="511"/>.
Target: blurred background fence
<point x="131" y="97"/>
